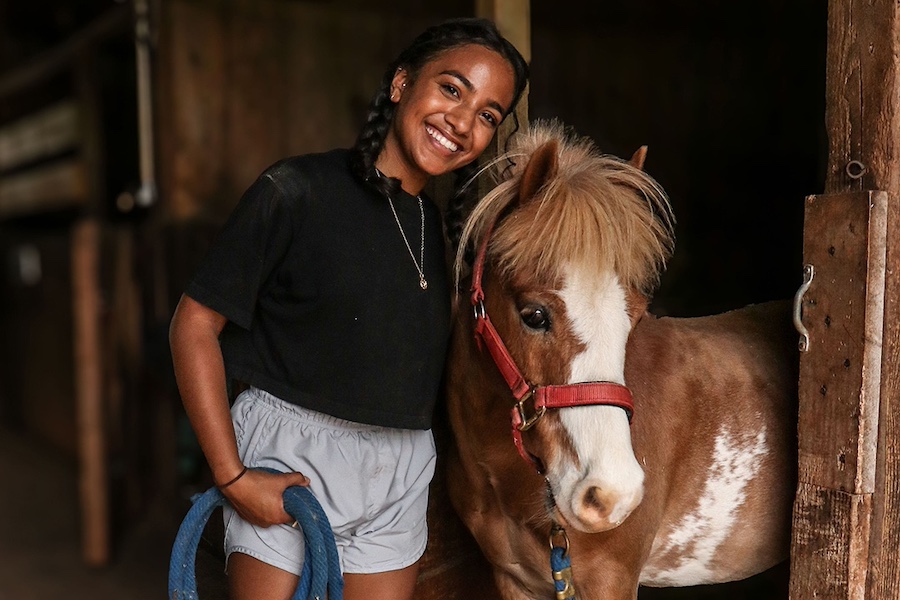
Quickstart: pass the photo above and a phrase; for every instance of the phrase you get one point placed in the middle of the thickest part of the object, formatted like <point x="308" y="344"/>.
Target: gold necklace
<point x="420" y="264"/>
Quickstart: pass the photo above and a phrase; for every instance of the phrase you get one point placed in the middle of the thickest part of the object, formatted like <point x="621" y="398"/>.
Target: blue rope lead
<point x="321" y="575"/>
<point x="561" y="564"/>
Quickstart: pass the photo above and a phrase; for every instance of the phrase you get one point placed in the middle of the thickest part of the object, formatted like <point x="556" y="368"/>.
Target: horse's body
<point x="698" y="491"/>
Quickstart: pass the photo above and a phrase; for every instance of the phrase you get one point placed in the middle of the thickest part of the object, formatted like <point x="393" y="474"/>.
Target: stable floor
<point x="40" y="553"/>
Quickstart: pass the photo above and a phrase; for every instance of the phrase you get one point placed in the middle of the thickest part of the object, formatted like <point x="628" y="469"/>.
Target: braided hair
<point x="428" y="45"/>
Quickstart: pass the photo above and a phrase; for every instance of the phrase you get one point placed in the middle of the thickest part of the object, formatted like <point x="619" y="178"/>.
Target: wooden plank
<point x="513" y="19"/>
<point x="863" y="125"/>
<point x="832" y="528"/>
<point x="46" y="133"/>
<point x="62" y="184"/>
<point x="93" y="479"/>
<point x="256" y="44"/>
<point x="884" y="568"/>
<point x="840" y="378"/>
<point x="844" y="239"/>
<point x="192" y="113"/>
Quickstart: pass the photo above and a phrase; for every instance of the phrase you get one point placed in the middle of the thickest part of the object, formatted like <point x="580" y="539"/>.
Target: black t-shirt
<point x="323" y="299"/>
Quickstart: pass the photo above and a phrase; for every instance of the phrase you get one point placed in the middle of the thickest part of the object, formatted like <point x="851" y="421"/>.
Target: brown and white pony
<point x="698" y="488"/>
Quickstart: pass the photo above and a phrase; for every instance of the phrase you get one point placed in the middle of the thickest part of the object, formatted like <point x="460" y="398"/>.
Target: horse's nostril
<point x="592" y="499"/>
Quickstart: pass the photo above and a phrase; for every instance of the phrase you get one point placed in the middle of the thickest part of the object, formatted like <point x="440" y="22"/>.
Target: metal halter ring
<point x="557" y="531"/>
<point x="528" y="422"/>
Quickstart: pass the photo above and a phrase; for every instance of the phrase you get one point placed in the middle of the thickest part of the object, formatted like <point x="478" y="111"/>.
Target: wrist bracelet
<point x="239" y="475"/>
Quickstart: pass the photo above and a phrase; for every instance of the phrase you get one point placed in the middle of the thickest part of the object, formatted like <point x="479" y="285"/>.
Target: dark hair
<point x="428" y="45"/>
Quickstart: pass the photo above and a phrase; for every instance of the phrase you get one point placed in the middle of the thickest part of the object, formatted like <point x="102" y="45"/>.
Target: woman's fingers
<point x="258" y="496"/>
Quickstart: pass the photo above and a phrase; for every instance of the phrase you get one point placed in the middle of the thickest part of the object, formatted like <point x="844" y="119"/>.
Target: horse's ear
<point x="542" y="167"/>
<point x="638" y="158"/>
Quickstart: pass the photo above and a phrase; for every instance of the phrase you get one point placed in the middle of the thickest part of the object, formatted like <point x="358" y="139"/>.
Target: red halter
<point x="545" y="396"/>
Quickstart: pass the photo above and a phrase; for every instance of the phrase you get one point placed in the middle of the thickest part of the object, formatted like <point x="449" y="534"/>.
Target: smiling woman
<point x="446" y="114"/>
<point x="306" y="298"/>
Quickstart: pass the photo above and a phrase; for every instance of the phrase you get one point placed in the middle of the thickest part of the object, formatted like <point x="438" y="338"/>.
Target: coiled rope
<point x="321" y="576"/>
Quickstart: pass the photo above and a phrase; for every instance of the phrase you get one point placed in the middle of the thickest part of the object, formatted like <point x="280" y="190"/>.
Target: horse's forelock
<point x="591" y="194"/>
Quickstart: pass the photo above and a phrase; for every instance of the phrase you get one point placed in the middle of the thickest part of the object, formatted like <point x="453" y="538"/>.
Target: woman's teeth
<point x="442" y="140"/>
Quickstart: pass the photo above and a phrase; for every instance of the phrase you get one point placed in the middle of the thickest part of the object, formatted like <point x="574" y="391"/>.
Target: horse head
<point x="574" y="244"/>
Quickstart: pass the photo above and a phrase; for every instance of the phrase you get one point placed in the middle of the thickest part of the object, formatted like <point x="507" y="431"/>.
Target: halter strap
<point x="544" y="397"/>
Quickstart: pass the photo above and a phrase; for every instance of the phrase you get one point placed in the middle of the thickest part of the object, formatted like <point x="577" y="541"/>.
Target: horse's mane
<point x="597" y="210"/>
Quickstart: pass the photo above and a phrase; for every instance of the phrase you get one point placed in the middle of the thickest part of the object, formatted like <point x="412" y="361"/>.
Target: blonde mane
<point x="597" y="211"/>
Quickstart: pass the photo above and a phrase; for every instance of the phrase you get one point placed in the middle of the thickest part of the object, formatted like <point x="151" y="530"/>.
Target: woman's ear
<point x="398" y="84"/>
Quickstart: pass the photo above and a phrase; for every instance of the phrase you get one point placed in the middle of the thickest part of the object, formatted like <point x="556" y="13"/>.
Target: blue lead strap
<point x="561" y="565"/>
<point x="321" y="576"/>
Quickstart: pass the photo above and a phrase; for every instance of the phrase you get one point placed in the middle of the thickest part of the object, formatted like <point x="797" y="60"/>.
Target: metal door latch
<point x="809" y="271"/>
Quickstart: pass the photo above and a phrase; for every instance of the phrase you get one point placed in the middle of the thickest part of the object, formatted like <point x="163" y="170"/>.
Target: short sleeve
<point x="253" y="242"/>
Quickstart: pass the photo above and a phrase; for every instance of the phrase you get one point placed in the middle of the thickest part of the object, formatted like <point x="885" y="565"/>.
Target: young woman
<point x="326" y="293"/>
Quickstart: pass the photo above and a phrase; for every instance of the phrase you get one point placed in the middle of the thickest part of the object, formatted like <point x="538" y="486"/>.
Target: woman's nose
<point x="460" y="119"/>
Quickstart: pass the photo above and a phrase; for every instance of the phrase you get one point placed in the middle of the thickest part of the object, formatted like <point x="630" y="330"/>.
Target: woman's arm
<point x="200" y="373"/>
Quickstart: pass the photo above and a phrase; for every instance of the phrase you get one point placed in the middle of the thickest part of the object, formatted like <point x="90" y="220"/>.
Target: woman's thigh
<point x="391" y="585"/>
<point x="252" y="579"/>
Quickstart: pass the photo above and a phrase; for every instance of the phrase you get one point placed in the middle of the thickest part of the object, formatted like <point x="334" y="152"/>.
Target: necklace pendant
<point x="422" y="283"/>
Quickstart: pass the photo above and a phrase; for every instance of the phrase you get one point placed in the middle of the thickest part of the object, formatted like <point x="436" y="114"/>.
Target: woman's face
<point x="446" y="117"/>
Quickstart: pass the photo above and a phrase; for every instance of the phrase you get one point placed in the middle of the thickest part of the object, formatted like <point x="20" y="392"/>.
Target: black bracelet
<point x="241" y="474"/>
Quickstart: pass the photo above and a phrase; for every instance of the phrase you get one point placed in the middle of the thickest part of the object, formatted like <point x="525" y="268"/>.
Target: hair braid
<point x="371" y="138"/>
<point x="461" y="202"/>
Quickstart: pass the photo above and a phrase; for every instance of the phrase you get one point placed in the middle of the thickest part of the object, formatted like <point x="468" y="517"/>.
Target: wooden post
<point x="847" y="513"/>
<point x="93" y="485"/>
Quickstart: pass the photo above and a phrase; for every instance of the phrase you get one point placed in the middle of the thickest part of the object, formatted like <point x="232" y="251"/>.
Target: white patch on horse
<point x="597" y="310"/>
<point x="689" y="550"/>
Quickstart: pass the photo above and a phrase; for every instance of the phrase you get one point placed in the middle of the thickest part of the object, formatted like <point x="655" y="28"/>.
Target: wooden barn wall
<point x="243" y="86"/>
<point x="36" y="374"/>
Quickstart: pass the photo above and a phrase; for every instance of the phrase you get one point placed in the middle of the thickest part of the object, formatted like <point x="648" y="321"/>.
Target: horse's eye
<point x="535" y="317"/>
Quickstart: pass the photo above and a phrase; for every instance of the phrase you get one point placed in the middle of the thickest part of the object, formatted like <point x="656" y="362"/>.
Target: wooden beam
<point x="840" y="377"/>
<point x="55" y="186"/>
<point x="513" y="19"/>
<point x="93" y="478"/>
<point x="41" y="135"/>
<point x="863" y="126"/>
<point x="863" y="123"/>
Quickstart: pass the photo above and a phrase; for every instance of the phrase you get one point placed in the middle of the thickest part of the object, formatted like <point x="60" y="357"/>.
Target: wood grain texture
<point x="884" y="568"/>
<point x="828" y="525"/>
<point x="93" y="477"/>
<point x="863" y="125"/>
<point x="844" y="239"/>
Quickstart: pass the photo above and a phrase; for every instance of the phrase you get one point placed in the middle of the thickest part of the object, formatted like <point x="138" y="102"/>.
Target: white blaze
<point x="597" y="310"/>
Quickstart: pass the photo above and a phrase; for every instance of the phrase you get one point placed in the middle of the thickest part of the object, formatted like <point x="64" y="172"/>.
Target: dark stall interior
<point x="728" y="97"/>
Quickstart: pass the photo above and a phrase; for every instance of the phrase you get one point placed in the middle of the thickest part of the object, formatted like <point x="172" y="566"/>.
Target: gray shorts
<point x="372" y="483"/>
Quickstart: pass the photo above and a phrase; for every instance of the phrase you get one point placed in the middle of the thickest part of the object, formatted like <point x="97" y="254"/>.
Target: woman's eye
<point x="451" y="89"/>
<point x="535" y="317"/>
<point x="491" y="119"/>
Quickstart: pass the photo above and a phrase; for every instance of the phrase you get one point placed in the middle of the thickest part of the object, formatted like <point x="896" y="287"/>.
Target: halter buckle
<point x="526" y="422"/>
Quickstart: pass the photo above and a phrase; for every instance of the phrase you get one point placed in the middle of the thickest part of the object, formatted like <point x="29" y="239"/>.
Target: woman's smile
<point x="446" y="115"/>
